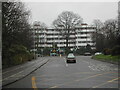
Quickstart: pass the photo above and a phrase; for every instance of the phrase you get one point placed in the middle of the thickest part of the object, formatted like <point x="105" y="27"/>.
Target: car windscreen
<point x="70" y="55"/>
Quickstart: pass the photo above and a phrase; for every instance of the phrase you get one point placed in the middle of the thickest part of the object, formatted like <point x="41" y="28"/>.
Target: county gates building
<point x="48" y="37"/>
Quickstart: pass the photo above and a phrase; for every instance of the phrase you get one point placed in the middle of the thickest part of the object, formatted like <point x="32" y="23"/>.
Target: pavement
<point x="13" y="74"/>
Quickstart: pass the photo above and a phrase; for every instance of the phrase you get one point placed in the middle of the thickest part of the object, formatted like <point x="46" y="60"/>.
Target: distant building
<point x="84" y="36"/>
<point x="48" y="37"/>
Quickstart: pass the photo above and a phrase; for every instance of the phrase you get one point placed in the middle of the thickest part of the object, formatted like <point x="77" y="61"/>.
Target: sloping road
<point x="86" y="73"/>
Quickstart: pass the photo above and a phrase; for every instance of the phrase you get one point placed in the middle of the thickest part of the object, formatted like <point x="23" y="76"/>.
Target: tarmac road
<point x="85" y="73"/>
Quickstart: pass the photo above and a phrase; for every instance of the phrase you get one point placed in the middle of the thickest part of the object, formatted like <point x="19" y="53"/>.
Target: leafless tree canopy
<point x="39" y="24"/>
<point x="111" y="27"/>
<point x="67" y="20"/>
<point x="107" y="34"/>
<point x="98" y="24"/>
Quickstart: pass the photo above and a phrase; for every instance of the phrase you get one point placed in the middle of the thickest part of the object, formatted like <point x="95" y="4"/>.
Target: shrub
<point x="107" y="51"/>
<point x="17" y="54"/>
<point x="116" y="50"/>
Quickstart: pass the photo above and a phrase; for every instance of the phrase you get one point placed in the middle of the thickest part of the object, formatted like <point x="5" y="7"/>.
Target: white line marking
<point x="65" y="62"/>
<point x="66" y="65"/>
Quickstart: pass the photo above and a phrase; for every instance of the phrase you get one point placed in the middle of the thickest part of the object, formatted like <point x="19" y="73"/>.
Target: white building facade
<point x="79" y="38"/>
<point x="84" y="36"/>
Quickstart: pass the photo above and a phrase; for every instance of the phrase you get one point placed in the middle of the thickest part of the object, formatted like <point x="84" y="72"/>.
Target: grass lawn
<point x="108" y="58"/>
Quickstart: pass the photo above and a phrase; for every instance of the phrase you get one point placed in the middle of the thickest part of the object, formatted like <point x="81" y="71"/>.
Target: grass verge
<point x="107" y="58"/>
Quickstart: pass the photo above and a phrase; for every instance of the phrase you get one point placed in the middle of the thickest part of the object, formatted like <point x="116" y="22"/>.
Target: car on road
<point x="98" y="53"/>
<point x="87" y="54"/>
<point x="53" y="54"/>
<point x="71" y="58"/>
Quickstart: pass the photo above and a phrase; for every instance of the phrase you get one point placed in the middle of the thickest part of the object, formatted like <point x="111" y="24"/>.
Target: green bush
<point x="17" y="59"/>
<point x="17" y="54"/>
<point x="116" y="50"/>
<point x="21" y="58"/>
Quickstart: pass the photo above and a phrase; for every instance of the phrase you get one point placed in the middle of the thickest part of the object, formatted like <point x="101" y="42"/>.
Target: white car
<point x="98" y="53"/>
<point x="70" y="58"/>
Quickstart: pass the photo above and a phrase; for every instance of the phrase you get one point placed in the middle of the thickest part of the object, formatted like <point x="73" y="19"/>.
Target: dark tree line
<point x="15" y="29"/>
<point x="119" y="22"/>
<point x="107" y="35"/>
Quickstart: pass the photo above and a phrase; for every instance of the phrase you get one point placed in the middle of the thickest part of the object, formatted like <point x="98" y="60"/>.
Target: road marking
<point x="99" y="85"/>
<point x="54" y="87"/>
<point x="34" y="83"/>
<point x="113" y="79"/>
<point x="110" y="81"/>
<point x="81" y="79"/>
<point x="42" y="76"/>
<point x="92" y="67"/>
<point x="65" y="62"/>
<point x="66" y="65"/>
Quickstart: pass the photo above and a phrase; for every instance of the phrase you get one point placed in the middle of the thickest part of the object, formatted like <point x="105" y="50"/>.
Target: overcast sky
<point x="47" y="12"/>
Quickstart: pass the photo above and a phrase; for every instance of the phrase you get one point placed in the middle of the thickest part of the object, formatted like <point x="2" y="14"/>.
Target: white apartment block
<point x="80" y="37"/>
<point x="84" y="36"/>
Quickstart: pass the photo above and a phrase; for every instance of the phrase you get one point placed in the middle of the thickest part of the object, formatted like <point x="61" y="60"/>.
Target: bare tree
<point x="15" y="24"/>
<point x="110" y="31"/>
<point x="106" y="35"/>
<point x="98" y="35"/>
<point x="66" y="22"/>
<point x="118" y="40"/>
<point x="15" y="29"/>
<point x="39" y="27"/>
<point x="40" y="24"/>
<point x="98" y="24"/>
